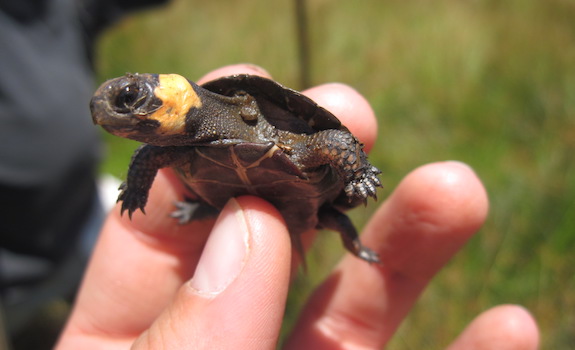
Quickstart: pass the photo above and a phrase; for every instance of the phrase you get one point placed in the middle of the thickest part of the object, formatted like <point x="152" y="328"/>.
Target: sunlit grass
<point x="489" y="83"/>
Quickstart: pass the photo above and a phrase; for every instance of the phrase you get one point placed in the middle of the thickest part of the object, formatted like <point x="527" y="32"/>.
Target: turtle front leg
<point x="345" y="154"/>
<point x="190" y="210"/>
<point x="144" y="166"/>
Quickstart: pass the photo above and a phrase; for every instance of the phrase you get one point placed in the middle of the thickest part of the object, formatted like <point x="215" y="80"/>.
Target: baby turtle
<point x="239" y="135"/>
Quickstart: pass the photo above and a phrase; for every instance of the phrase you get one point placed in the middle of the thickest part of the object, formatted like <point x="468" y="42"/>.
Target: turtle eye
<point x="128" y="99"/>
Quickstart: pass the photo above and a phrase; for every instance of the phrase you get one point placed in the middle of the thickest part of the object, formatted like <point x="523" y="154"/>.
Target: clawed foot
<point x="368" y="255"/>
<point x="362" y="252"/>
<point x="365" y="185"/>
<point x="131" y="200"/>
<point x="184" y="211"/>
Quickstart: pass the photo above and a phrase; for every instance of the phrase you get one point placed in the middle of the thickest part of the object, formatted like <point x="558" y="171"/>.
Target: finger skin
<point x="248" y="313"/>
<point x="505" y="327"/>
<point x="136" y="268"/>
<point x="427" y="219"/>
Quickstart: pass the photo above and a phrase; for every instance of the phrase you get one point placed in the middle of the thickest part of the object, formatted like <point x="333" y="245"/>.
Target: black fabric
<point x="24" y="10"/>
<point x="50" y="148"/>
<point x="44" y="221"/>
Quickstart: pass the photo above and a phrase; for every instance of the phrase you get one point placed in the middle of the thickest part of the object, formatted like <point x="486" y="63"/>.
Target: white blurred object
<point x="108" y="190"/>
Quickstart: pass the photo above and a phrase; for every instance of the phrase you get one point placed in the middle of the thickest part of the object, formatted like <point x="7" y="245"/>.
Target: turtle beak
<point x="96" y="106"/>
<point x="105" y="113"/>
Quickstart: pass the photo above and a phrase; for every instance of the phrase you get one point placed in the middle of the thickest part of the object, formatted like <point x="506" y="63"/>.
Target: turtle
<point x="239" y="135"/>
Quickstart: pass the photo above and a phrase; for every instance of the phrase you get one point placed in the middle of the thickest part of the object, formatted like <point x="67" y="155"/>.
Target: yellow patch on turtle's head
<point x="178" y="97"/>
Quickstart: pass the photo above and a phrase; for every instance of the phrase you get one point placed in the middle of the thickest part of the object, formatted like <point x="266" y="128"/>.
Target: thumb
<point x="236" y="298"/>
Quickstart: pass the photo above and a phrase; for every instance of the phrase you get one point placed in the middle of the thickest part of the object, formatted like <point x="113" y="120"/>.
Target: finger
<point x="505" y="327"/>
<point x="136" y="268"/>
<point x="350" y="107"/>
<point x="427" y="219"/>
<point x="237" y="296"/>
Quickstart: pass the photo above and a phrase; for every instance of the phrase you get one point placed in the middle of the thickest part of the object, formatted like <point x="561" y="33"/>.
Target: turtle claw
<point x="368" y="255"/>
<point x="131" y="200"/>
<point x="365" y="185"/>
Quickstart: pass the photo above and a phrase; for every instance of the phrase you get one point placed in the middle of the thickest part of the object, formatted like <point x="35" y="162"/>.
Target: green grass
<point x="486" y="82"/>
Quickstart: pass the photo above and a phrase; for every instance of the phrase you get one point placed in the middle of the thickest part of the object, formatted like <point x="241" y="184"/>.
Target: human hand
<point x="154" y="284"/>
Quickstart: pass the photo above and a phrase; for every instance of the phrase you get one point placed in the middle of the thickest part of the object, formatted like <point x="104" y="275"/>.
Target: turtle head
<point x="148" y="108"/>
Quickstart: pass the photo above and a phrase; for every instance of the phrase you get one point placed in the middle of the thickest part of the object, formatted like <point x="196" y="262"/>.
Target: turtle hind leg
<point x="344" y="153"/>
<point x="332" y="219"/>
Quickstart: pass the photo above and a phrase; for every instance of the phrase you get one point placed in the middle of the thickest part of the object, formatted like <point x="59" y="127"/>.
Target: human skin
<point x="154" y="284"/>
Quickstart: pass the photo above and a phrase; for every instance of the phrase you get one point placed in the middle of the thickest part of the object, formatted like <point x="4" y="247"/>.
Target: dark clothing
<point x="59" y="211"/>
<point x="49" y="146"/>
<point x="45" y="86"/>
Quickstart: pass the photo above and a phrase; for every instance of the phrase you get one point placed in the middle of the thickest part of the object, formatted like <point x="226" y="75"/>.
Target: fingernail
<point x="225" y="252"/>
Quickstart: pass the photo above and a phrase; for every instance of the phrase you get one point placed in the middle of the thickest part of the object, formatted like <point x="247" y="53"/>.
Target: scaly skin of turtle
<point x="345" y="154"/>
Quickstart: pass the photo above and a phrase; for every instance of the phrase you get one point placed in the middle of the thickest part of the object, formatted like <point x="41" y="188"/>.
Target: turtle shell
<point x="280" y="105"/>
<point x="216" y="174"/>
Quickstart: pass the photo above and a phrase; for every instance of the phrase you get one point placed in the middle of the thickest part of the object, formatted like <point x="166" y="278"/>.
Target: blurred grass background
<point x="490" y="83"/>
